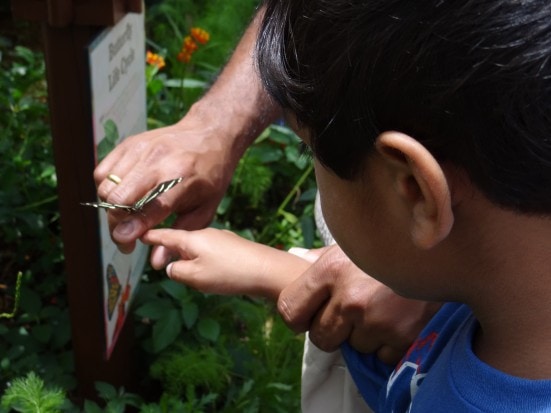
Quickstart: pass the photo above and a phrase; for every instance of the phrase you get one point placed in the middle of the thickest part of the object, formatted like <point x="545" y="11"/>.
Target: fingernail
<point x="126" y="227"/>
<point x="169" y="270"/>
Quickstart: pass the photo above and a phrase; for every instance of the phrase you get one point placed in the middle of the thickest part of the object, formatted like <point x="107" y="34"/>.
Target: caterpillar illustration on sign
<point x="113" y="290"/>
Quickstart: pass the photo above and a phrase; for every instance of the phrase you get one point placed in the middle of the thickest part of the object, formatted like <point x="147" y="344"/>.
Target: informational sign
<point x="117" y="75"/>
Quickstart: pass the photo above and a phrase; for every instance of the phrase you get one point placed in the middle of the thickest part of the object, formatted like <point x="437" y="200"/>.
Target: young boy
<point x="430" y="128"/>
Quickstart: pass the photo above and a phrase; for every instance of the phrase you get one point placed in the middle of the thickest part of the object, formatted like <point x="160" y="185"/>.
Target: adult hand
<point x="335" y="301"/>
<point x="220" y="262"/>
<point x="203" y="148"/>
<point x="188" y="149"/>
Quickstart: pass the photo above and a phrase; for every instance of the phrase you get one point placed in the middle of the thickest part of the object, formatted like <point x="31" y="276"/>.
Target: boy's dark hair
<point x="469" y="79"/>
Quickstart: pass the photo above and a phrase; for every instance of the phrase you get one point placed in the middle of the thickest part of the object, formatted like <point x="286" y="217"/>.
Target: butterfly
<point x="141" y="203"/>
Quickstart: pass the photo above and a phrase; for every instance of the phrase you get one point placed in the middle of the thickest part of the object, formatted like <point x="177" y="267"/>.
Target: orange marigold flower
<point x="184" y="56"/>
<point x="155" y="59"/>
<point x="200" y="35"/>
<point x="189" y="45"/>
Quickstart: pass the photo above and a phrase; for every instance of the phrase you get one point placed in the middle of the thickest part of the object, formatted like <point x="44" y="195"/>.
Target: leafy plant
<point x="29" y="395"/>
<point x="206" y="368"/>
<point x="29" y="219"/>
<point x="198" y="353"/>
<point x="116" y="401"/>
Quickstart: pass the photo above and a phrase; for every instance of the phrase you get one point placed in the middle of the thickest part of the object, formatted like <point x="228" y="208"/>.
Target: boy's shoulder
<point x="441" y="370"/>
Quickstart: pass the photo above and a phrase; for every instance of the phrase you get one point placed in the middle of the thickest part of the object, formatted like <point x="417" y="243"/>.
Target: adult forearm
<point x="237" y="107"/>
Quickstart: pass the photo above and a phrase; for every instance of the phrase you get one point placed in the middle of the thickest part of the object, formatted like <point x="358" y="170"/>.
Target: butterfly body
<point x="141" y="203"/>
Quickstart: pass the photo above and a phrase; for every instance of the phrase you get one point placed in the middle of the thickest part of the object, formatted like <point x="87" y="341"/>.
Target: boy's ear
<point x="420" y="183"/>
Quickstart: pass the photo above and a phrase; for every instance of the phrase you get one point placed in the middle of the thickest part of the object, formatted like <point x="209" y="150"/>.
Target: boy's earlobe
<point x="420" y="185"/>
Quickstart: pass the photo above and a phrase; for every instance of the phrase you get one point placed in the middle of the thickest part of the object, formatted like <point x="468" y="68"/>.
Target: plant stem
<point x="36" y="204"/>
<point x="17" y="297"/>
<point x="287" y="199"/>
<point x="295" y="189"/>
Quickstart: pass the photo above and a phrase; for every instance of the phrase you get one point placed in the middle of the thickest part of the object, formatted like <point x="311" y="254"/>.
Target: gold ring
<point x="114" y="178"/>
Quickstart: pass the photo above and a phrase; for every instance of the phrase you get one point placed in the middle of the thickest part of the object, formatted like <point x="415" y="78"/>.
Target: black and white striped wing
<point x="141" y="203"/>
<point x="158" y="190"/>
<point x="107" y="205"/>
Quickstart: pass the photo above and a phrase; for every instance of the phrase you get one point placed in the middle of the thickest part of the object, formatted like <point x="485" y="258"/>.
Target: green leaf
<point x="187" y="83"/>
<point x="155" y="86"/>
<point x="224" y="205"/>
<point x="109" y="140"/>
<point x="190" y="313"/>
<point x="155" y="309"/>
<point x="292" y="219"/>
<point x="29" y="394"/>
<point x="31" y="302"/>
<point x="209" y="329"/>
<point x="42" y="332"/>
<point x="175" y="289"/>
<point x="115" y="406"/>
<point x="265" y="154"/>
<point x="283" y="135"/>
<point x="105" y="390"/>
<point x="308" y="230"/>
<point x="280" y="386"/>
<point x="293" y="156"/>
<point x="26" y="54"/>
<point x="166" y="330"/>
<point x="91" y="407"/>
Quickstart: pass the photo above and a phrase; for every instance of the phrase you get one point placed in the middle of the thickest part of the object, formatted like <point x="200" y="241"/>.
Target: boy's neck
<point x="512" y="300"/>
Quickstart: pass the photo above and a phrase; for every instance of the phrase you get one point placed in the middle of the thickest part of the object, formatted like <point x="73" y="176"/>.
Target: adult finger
<point x="328" y="337"/>
<point x="346" y="309"/>
<point x="300" y="301"/>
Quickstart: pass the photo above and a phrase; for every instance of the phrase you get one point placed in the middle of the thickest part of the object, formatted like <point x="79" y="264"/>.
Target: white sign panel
<point x="117" y="73"/>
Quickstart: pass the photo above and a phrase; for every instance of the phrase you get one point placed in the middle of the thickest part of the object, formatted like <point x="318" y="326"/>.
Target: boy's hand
<point x="335" y="301"/>
<point x="220" y="262"/>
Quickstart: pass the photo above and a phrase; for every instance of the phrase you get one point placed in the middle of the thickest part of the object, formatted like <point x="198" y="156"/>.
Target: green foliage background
<point x="198" y="353"/>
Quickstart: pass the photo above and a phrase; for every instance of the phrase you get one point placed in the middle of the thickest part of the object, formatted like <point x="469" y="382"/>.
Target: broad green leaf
<point x="42" y="332"/>
<point x="31" y="302"/>
<point x="155" y="309"/>
<point x="175" y="289"/>
<point x="292" y="219"/>
<point x="282" y="134"/>
<point x="209" y="329"/>
<point x="308" y="230"/>
<point x="91" y="407"/>
<point x="109" y="140"/>
<point x="190" y="313"/>
<point x="166" y="330"/>
<point x="105" y="390"/>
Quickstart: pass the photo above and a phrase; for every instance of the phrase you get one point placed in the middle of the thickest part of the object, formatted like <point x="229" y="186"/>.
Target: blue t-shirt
<point x="440" y="373"/>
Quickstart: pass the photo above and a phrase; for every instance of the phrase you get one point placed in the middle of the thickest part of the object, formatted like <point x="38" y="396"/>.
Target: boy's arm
<point x="220" y="262"/>
<point x="331" y="297"/>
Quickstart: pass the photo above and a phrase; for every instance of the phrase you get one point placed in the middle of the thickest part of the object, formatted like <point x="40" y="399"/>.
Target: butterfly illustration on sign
<point x="141" y="203"/>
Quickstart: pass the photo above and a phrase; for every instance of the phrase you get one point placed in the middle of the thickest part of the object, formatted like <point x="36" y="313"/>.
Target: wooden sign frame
<point x="68" y="27"/>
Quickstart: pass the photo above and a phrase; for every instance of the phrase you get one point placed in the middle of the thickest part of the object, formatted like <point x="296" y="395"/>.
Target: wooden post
<point x="68" y="27"/>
